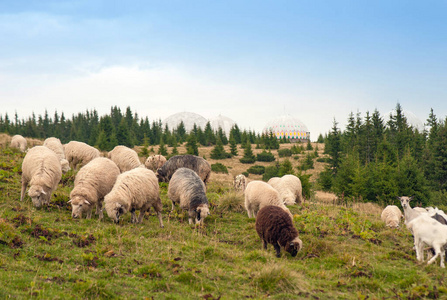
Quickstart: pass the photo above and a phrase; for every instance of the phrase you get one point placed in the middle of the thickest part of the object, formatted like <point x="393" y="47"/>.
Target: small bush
<point x="296" y="150"/>
<point x="271" y="171"/>
<point x="258" y="170"/>
<point x="247" y="160"/>
<point x="265" y="156"/>
<point x="219" y="168"/>
<point x="284" y="152"/>
<point x="323" y="159"/>
<point x="245" y="174"/>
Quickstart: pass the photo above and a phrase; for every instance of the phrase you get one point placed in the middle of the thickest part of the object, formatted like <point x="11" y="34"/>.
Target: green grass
<point x="348" y="253"/>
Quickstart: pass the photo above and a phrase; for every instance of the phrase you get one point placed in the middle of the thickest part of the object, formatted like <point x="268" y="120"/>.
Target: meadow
<point x="348" y="253"/>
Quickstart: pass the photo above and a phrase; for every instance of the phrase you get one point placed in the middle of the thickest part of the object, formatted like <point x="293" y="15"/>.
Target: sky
<point x="251" y="61"/>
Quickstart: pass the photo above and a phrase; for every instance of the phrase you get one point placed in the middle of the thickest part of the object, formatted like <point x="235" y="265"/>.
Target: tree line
<point x="374" y="160"/>
<point x="128" y="129"/>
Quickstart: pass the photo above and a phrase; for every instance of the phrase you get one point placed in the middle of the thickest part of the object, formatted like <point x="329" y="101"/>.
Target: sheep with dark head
<point x="274" y="226"/>
<point x="195" y="163"/>
<point x="187" y="189"/>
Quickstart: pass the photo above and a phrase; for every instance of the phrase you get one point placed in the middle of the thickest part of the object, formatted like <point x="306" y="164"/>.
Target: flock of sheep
<point x="428" y="226"/>
<point x="122" y="184"/>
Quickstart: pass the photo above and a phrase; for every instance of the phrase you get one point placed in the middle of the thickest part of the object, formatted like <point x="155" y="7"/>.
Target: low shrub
<point x="284" y="152"/>
<point x="270" y="171"/>
<point x="219" y="168"/>
<point x="265" y="156"/>
<point x="258" y="170"/>
<point x="247" y="160"/>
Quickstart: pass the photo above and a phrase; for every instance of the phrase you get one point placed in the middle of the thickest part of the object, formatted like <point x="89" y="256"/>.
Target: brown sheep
<point x="275" y="226"/>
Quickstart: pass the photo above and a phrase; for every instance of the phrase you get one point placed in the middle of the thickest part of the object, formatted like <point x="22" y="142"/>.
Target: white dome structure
<point x="222" y="122"/>
<point x="412" y="120"/>
<point x="188" y="118"/>
<point x="288" y="127"/>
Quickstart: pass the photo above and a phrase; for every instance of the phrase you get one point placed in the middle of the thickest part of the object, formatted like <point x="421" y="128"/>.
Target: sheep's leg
<point x="160" y="220"/>
<point x="278" y="249"/>
<point x="22" y="193"/>
<point x="442" y="258"/>
<point x="249" y="213"/>
<point x="89" y="212"/>
<point x="265" y="244"/>
<point x="99" y="211"/>
<point x="143" y="210"/>
<point x="133" y="219"/>
<point x="417" y="246"/>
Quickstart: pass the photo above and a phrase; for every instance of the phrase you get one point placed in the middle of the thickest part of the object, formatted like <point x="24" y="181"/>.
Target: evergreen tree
<point x="162" y="149"/>
<point x="333" y="147"/>
<point x="248" y="157"/>
<point x="181" y="132"/>
<point x="210" y="138"/>
<point x="191" y="145"/>
<point x="236" y="134"/>
<point x="286" y="168"/>
<point x="218" y="151"/>
<point x="123" y="134"/>
<point x="233" y="146"/>
<point x="107" y="137"/>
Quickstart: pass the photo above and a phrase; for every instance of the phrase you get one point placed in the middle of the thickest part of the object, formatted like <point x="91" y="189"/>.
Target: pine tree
<point x="218" y="151"/>
<point x="123" y="134"/>
<point x="248" y="157"/>
<point x="107" y="137"/>
<point x="333" y="147"/>
<point x="191" y="145"/>
<point x="285" y="168"/>
<point x="233" y="146"/>
<point x="162" y="149"/>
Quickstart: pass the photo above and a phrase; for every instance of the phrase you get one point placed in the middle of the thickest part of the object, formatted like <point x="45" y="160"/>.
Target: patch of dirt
<point x="48" y="257"/>
<point x="83" y="241"/>
<point x="20" y="220"/>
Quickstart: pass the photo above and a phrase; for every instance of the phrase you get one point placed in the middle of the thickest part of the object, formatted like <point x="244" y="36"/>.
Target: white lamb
<point x="136" y="189"/>
<point x="289" y="188"/>
<point x="429" y="231"/>
<point x="92" y="183"/>
<point x="55" y="144"/>
<point x="240" y="182"/>
<point x="259" y="194"/>
<point x="41" y="169"/>
<point x="391" y="215"/>
<point x="19" y="142"/>
<point x="155" y="162"/>
<point x="79" y="153"/>
<point x="125" y="158"/>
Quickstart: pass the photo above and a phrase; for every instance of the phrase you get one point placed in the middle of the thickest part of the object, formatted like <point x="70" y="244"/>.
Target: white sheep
<point x="79" y="153"/>
<point x="429" y="231"/>
<point x="55" y="144"/>
<point x="188" y="190"/>
<point x="259" y="194"/>
<point x="41" y="169"/>
<point x="125" y="158"/>
<point x="19" y="142"/>
<point x="391" y="215"/>
<point x="136" y="189"/>
<point x="155" y="162"/>
<point x="92" y="183"/>
<point x="240" y="182"/>
<point x="289" y="188"/>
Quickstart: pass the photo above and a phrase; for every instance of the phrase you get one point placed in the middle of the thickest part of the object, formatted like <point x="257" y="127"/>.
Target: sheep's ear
<point x="198" y="214"/>
<point x="411" y="198"/>
<point x="397" y="197"/>
<point x="69" y="201"/>
<point x="43" y="192"/>
<point x="117" y="205"/>
<point x="86" y="202"/>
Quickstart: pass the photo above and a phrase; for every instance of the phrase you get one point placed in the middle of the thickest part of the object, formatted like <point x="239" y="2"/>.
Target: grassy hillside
<point x="348" y="252"/>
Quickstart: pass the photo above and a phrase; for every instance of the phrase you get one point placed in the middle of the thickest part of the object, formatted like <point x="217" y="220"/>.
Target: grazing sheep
<point x="289" y="188"/>
<point x="420" y="209"/>
<point x="125" y="158"/>
<point x="187" y="189"/>
<point x="259" y="194"/>
<point x="409" y="212"/>
<point x="41" y="169"/>
<point x="18" y="142"/>
<point x="92" y="183"/>
<point x="55" y="144"/>
<point x="136" y="189"/>
<point x="155" y="162"/>
<point x="274" y="226"/>
<point x="240" y="182"/>
<point x="79" y="153"/>
<point x="195" y="163"/>
<point x="431" y="232"/>
<point x="391" y="215"/>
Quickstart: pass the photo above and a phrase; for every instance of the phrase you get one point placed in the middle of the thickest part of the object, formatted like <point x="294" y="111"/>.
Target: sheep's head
<point x="38" y="195"/>
<point x="202" y="211"/>
<point x="65" y="166"/>
<point x="405" y="201"/>
<point x="161" y="175"/>
<point x="78" y="206"/>
<point x="294" y="246"/>
<point x="393" y="224"/>
<point x="115" y="210"/>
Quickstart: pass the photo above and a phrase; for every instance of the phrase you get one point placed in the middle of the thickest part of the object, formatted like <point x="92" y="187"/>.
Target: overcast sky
<point x="251" y="61"/>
